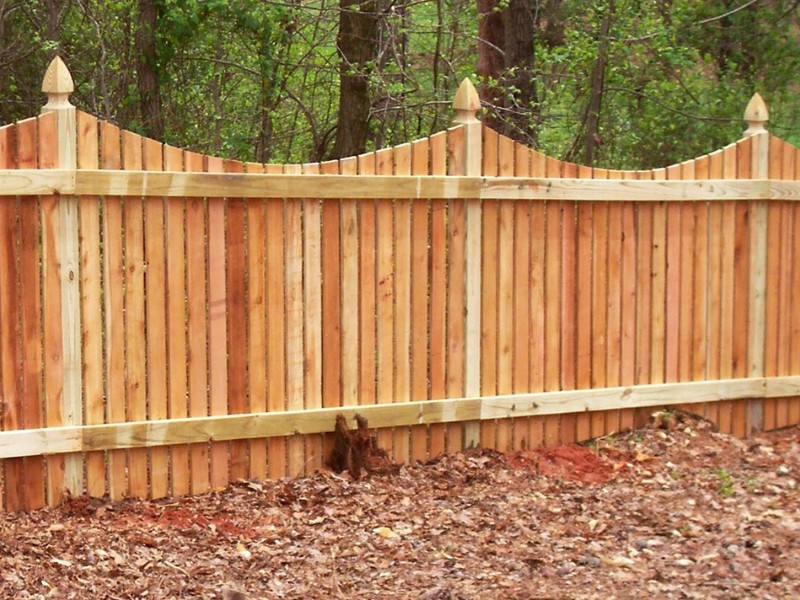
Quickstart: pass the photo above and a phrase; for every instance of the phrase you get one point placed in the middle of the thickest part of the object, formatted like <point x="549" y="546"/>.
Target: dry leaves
<point x="679" y="511"/>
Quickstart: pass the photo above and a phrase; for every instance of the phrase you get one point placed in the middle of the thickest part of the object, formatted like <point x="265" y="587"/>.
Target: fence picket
<point x="155" y="279"/>
<point x="236" y="277"/>
<point x="257" y="323"/>
<point x="176" y="308"/>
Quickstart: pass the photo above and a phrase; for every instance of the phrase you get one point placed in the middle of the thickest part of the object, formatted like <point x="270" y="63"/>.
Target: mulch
<point x="676" y="510"/>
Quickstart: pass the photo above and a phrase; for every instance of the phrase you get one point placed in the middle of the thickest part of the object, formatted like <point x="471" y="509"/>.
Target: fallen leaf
<point x="63" y="563"/>
<point x="243" y="552"/>
<point x="386" y="532"/>
<point x="617" y="561"/>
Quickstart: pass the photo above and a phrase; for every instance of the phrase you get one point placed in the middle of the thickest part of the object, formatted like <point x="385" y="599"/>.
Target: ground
<point x="673" y="511"/>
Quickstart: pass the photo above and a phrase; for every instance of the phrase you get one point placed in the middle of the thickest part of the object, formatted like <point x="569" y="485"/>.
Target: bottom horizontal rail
<point x="141" y="434"/>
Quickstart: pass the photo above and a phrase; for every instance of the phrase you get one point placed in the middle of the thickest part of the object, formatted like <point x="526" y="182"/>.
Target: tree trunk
<point x="53" y="18"/>
<point x="506" y="57"/>
<point x="491" y="62"/>
<point x="592" y="139"/>
<point x="519" y="61"/>
<point x="357" y="44"/>
<point x="147" y="70"/>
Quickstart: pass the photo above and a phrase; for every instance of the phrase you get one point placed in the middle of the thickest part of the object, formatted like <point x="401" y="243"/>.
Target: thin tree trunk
<point x="53" y="17"/>
<point x="491" y="61"/>
<point x="357" y="43"/>
<point x="520" y="57"/>
<point x="592" y="139"/>
<point x="147" y="70"/>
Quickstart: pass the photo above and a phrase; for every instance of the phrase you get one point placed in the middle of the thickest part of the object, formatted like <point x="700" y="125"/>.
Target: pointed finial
<point x="756" y="115"/>
<point x="467" y="102"/>
<point x="57" y="84"/>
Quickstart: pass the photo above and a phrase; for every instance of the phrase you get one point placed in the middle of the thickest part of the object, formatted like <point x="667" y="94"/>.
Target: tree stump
<point x="356" y="451"/>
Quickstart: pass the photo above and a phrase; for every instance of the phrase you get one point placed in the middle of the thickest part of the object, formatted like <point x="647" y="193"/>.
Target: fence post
<point x="466" y="103"/>
<point x="57" y="84"/>
<point x="756" y="116"/>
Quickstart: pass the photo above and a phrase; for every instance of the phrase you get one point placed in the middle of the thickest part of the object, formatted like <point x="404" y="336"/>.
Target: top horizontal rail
<point x="29" y="182"/>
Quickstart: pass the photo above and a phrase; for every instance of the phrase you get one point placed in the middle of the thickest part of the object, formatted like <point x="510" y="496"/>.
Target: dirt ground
<point x="672" y="511"/>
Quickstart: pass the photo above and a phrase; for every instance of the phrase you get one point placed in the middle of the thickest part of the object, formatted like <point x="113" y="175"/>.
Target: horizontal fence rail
<point x="171" y="322"/>
<point x="165" y="432"/>
<point x="177" y="184"/>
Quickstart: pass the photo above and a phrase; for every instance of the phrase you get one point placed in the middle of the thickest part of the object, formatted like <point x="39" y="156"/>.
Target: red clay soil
<point x="674" y="511"/>
<point x="566" y="463"/>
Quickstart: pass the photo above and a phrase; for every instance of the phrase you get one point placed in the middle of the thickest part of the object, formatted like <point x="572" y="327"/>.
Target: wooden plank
<point x="114" y="278"/>
<point x="757" y="232"/>
<point x="794" y="407"/>
<point x="236" y="276"/>
<point x="7" y="159"/>
<point x="331" y="297"/>
<point x="196" y="324"/>
<point x="787" y="275"/>
<point x="295" y="356"/>
<point x="257" y="323"/>
<point x="27" y="181"/>
<point x="614" y="301"/>
<point x="145" y="434"/>
<point x="537" y="298"/>
<point x="467" y="186"/>
<point x="700" y="294"/>
<point x="438" y="293"/>
<point x="155" y="278"/>
<point x="312" y="288"/>
<point x="673" y="287"/>
<point x="552" y="335"/>
<point x="583" y="299"/>
<point x="135" y="323"/>
<point x="402" y="312"/>
<point x="23" y="488"/>
<point x="794" y="358"/>
<point x="57" y="149"/>
<point x="628" y="291"/>
<point x="91" y="301"/>
<point x="217" y="327"/>
<point x="367" y="291"/>
<point x="385" y="273"/>
<point x="644" y="297"/>
<point x="772" y="285"/>
<point x="419" y="299"/>
<point x="52" y="317"/>
<point x="522" y="317"/>
<point x="176" y="309"/>
<point x="276" y="335"/>
<point x="350" y="291"/>
<point x="491" y="286"/>
<point x="659" y="308"/>
<point x="714" y="304"/>
<point x="456" y="295"/>
<point x="600" y="283"/>
<point x="687" y="292"/>
<point x="741" y="288"/>
<point x="140" y="183"/>
<point x="569" y="241"/>
<point x="505" y="293"/>
<point x="727" y="284"/>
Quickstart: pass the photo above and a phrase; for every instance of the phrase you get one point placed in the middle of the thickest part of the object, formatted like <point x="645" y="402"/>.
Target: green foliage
<point x="725" y="482"/>
<point x="259" y="80"/>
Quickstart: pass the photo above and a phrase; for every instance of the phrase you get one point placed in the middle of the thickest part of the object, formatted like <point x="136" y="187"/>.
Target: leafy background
<point x="260" y="80"/>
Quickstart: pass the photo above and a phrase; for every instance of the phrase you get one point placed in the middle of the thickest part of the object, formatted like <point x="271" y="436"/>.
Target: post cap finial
<point x="467" y="102"/>
<point x="57" y="78"/>
<point x="756" y="115"/>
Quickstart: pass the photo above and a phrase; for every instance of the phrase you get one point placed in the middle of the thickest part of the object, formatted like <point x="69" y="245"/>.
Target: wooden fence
<point x="172" y="322"/>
